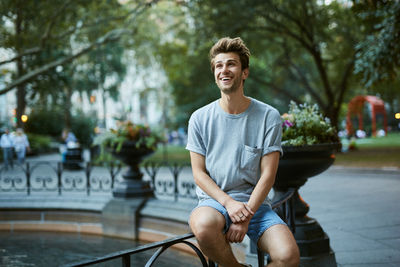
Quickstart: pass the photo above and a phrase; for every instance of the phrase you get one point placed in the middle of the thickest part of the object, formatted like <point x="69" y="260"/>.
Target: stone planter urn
<point x="132" y="185"/>
<point x="295" y="167"/>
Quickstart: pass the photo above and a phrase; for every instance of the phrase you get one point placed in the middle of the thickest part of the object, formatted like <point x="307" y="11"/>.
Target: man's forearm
<point x="269" y="165"/>
<point x="260" y="192"/>
<point x="204" y="181"/>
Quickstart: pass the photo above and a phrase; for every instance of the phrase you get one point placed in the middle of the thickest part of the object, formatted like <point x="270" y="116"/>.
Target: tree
<point x="42" y="35"/>
<point x="302" y="50"/>
<point x="378" y="56"/>
<point x="378" y="52"/>
<point x="102" y="70"/>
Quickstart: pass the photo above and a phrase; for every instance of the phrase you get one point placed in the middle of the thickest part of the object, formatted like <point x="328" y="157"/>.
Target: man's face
<point x="228" y="72"/>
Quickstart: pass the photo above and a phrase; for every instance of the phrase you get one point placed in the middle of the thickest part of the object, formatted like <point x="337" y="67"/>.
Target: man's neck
<point x="234" y="103"/>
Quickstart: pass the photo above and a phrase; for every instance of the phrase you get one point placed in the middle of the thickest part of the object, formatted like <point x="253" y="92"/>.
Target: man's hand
<point x="238" y="211"/>
<point x="237" y="231"/>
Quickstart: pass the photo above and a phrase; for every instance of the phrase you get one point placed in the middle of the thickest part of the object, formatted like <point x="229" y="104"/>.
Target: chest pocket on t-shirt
<point x="250" y="158"/>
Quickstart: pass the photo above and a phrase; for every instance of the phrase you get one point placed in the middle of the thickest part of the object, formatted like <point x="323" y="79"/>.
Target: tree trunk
<point x="103" y="98"/>
<point x="21" y="91"/>
<point x="67" y="107"/>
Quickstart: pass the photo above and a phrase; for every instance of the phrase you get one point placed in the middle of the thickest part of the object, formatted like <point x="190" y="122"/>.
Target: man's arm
<point x="238" y="211"/>
<point x="269" y="166"/>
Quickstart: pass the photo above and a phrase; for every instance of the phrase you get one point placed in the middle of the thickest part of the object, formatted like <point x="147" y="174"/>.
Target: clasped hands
<point x="240" y="214"/>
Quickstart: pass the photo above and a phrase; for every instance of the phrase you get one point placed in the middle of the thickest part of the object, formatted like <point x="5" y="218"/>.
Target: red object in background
<point x="355" y="107"/>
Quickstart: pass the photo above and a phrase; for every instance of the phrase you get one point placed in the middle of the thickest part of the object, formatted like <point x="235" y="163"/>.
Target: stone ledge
<point x="51" y="202"/>
<point x="171" y="210"/>
<point x="52" y="227"/>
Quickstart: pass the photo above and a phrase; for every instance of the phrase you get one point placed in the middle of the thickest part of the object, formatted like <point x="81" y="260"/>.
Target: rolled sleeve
<point x="195" y="141"/>
<point x="272" y="140"/>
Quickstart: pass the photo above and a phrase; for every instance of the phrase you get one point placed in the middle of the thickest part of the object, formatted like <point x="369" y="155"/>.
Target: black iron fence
<point x="34" y="177"/>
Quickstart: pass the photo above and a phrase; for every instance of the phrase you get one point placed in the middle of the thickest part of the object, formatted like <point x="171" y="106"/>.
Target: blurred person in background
<point x="21" y="145"/>
<point x="7" y="145"/>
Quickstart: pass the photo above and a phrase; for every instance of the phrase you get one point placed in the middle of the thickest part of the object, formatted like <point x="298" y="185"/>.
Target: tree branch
<point x="342" y="87"/>
<point x="110" y="36"/>
<point x="303" y="79"/>
<point x="27" y="52"/>
<point x="275" y="88"/>
<point x="50" y="25"/>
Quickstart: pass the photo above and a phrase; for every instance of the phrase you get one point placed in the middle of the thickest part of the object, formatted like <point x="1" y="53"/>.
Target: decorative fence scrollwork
<point x="171" y="180"/>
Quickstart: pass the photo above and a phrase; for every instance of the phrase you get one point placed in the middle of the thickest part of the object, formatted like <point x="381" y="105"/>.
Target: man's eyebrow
<point x="228" y="60"/>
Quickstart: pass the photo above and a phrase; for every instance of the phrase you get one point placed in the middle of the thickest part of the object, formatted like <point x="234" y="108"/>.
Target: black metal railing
<point x="284" y="204"/>
<point x="51" y="176"/>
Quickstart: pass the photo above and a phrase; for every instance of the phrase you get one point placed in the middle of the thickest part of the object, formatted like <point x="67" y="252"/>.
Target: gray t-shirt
<point x="233" y="145"/>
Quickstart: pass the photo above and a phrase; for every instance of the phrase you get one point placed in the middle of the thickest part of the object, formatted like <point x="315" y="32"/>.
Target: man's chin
<point x="228" y="91"/>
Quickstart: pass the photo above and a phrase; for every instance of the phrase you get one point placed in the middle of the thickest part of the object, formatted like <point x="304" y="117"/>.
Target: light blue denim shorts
<point x="263" y="219"/>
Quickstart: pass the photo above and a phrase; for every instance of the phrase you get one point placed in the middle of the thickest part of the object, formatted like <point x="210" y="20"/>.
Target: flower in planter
<point x="140" y="134"/>
<point x="305" y="125"/>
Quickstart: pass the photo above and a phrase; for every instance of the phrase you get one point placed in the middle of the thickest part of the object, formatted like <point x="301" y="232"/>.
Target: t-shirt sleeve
<point x="272" y="139"/>
<point x="195" y="141"/>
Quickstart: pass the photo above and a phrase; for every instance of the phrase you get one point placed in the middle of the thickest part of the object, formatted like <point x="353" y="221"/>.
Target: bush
<point x="40" y="143"/>
<point x="83" y="128"/>
<point x="45" y="122"/>
<point x="50" y="122"/>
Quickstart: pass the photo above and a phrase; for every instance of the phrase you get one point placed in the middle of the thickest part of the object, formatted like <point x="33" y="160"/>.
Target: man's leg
<point x="5" y="158"/>
<point x="279" y="243"/>
<point x="207" y="225"/>
<point x="11" y="157"/>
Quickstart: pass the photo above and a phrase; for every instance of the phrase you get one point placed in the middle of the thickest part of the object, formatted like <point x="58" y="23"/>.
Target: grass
<point x="171" y="153"/>
<point x="370" y="152"/>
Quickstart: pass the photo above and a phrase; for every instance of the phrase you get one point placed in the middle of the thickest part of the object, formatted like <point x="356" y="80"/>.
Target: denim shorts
<point x="263" y="219"/>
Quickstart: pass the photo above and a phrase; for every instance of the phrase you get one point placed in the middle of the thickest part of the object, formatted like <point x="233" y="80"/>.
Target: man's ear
<point x="245" y="73"/>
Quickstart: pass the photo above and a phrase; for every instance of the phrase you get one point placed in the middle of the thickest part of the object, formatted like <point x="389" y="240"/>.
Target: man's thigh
<point x="206" y="217"/>
<point x="210" y="213"/>
<point x="276" y="239"/>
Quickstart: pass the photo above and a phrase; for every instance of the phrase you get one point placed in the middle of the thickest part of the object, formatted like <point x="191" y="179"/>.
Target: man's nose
<point x="225" y="68"/>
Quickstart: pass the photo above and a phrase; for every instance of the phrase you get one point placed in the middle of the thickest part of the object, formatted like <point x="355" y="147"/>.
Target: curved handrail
<point x="165" y="244"/>
<point x="124" y="254"/>
<point x="289" y="193"/>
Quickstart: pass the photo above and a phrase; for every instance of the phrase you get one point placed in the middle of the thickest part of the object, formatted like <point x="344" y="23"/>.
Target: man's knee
<point x="281" y="245"/>
<point x="286" y="256"/>
<point x="205" y="226"/>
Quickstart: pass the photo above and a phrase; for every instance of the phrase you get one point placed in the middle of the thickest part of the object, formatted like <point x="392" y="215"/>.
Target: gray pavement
<point x="358" y="209"/>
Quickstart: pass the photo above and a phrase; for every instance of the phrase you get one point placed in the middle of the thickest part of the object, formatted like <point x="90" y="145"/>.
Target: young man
<point x="235" y="145"/>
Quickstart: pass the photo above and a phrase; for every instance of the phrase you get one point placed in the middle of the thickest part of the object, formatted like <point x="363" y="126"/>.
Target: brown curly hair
<point x="226" y="45"/>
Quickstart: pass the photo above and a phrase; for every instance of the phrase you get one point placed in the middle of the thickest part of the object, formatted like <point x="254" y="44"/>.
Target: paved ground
<point x="359" y="210"/>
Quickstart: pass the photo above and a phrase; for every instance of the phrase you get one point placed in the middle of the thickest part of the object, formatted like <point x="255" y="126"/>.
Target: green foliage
<point x="378" y="56"/>
<point x="301" y="50"/>
<point x="46" y="39"/>
<point x="305" y="125"/>
<point x="39" y="143"/>
<point x="51" y="122"/>
<point x="45" y="121"/>
<point x="142" y="135"/>
<point x="83" y="127"/>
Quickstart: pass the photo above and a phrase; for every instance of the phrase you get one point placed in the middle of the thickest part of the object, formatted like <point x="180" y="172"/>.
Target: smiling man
<point x="235" y="145"/>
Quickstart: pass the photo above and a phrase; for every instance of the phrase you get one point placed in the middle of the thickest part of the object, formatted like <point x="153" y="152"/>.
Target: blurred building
<point x="8" y="100"/>
<point x="143" y="98"/>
